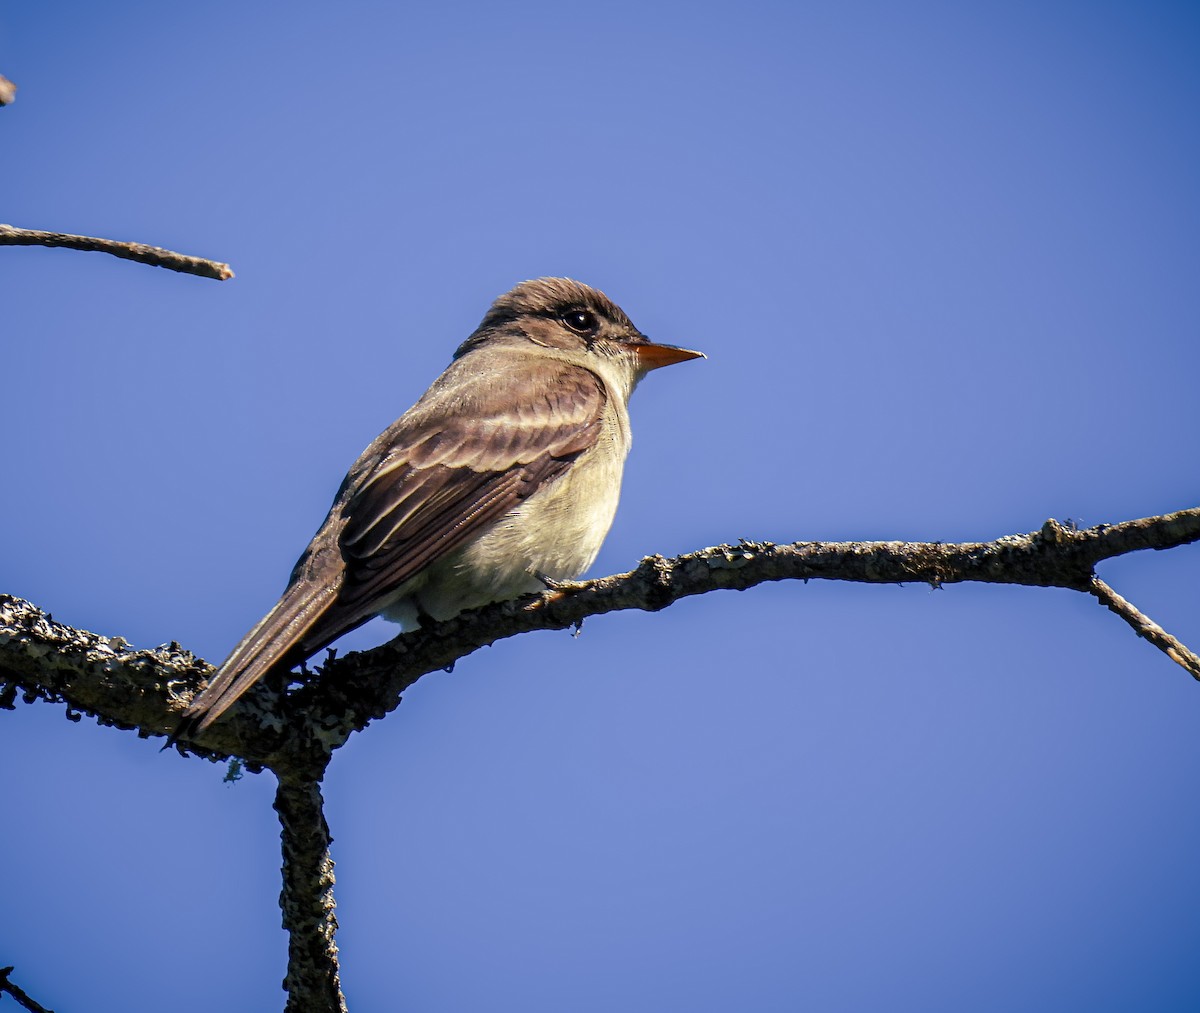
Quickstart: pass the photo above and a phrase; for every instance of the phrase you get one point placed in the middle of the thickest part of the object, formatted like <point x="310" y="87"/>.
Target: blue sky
<point x="943" y="260"/>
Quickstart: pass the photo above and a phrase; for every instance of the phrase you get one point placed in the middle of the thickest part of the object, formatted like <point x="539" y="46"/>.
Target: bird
<point x="500" y="481"/>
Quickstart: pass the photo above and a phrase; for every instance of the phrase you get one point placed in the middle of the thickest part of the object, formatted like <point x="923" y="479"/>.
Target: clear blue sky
<point x="943" y="259"/>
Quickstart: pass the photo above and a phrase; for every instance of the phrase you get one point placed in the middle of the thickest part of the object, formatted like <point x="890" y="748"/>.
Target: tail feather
<point x="271" y="642"/>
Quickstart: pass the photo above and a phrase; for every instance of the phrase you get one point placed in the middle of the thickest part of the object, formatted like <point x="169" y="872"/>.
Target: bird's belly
<point x="557" y="532"/>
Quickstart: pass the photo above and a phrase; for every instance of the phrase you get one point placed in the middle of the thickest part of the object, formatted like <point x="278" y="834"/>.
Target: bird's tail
<point x="278" y="638"/>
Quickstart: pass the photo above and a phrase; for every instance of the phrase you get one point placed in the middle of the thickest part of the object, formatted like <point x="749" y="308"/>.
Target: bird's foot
<point x="554" y="584"/>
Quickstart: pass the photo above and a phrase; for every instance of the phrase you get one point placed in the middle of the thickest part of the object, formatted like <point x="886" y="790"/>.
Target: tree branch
<point x="356" y="689"/>
<point x="297" y="731"/>
<point x="1144" y="627"/>
<point x="312" y="981"/>
<point x="18" y="993"/>
<point x="101" y="676"/>
<point x="155" y="256"/>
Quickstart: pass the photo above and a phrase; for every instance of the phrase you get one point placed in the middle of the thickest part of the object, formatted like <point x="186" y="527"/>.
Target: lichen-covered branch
<point x="137" y="690"/>
<point x="298" y="731"/>
<point x="155" y="256"/>
<point x="312" y="983"/>
<point x="361" y="687"/>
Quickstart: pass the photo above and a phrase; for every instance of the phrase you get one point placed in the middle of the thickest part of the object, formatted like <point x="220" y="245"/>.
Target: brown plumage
<point x="506" y="470"/>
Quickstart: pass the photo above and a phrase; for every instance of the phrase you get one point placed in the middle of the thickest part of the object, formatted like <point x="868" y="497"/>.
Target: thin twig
<point x="1145" y="627"/>
<point x="19" y="994"/>
<point x="155" y="256"/>
<point x="312" y="982"/>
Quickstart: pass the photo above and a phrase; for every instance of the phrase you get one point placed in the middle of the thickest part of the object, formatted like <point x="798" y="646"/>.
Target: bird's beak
<point x="651" y="356"/>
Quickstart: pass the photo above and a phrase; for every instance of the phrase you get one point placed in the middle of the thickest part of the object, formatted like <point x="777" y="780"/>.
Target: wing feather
<point x="489" y="433"/>
<point x="409" y="512"/>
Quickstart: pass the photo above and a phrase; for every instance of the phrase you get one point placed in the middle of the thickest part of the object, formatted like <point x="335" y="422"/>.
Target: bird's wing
<point x="435" y="479"/>
<point x="445" y="480"/>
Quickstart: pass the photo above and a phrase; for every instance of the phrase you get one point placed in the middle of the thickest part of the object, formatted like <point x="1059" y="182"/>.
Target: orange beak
<point x="651" y="356"/>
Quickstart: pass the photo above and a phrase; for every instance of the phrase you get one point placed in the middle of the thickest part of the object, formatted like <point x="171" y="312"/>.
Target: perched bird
<point x="505" y="475"/>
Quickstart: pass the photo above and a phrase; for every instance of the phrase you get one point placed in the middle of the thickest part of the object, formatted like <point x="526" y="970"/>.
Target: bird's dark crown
<point x="541" y="305"/>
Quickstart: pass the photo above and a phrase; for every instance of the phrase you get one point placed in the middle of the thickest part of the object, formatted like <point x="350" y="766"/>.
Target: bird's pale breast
<point x="556" y="532"/>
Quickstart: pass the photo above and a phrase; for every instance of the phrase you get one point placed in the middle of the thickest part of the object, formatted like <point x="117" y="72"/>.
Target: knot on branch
<point x="1054" y="542"/>
<point x="1053" y="533"/>
<point x="928" y="563"/>
<point x="656" y="575"/>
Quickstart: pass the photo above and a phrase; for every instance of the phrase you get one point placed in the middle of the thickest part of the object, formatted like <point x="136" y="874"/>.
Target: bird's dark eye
<point x="581" y="321"/>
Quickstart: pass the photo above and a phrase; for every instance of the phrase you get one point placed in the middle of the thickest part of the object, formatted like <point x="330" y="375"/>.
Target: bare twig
<point x="155" y="256"/>
<point x="8" y="91"/>
<point x="19" y="993"/>
<point x="312" y="981"/>
<point x="1145" y="627"/>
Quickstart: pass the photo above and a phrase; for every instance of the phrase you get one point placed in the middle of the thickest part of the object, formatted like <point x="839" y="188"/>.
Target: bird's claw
<point x="554" y="584"/>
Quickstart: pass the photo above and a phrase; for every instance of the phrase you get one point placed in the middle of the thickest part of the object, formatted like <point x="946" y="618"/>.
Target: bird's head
<point x="577" y="322"/>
